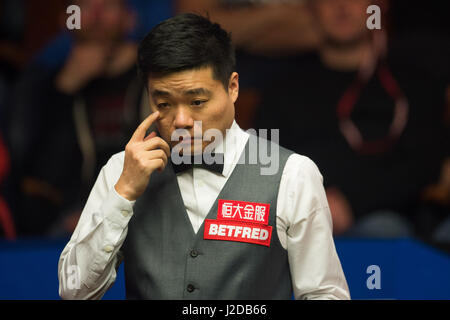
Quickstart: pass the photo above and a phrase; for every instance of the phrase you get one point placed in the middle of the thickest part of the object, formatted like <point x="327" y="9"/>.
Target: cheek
<point x="324" y="13"/>
<point x="164" y="129"/>
<point x="87" y="19"/>
<point x="214" y="115"/>
<point x="220" y="117"/>
<point x="359" y="16"/>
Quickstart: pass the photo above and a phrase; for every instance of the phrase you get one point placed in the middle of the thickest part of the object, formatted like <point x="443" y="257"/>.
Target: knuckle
<point x="130" y="147"/>
<point x="147" y="169"/>
<point x="140" y="163"/>
<point x="135" y="156"/>
<point x="157" y="163"/>
<point x="161" y="153"/>
<point x="160" y="140"/>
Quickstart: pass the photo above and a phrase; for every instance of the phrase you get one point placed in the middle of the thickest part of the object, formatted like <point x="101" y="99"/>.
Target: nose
<point x="183" y="118"/>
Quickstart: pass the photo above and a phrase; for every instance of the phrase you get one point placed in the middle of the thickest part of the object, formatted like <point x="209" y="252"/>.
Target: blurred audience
<point x="11" y="59"/>
<point x="7" y="226"/>
<point x="70" y="117"/>
<point x="367" y="108"/>
<point x="372" y="123"/>
<point x="264" y="27"/>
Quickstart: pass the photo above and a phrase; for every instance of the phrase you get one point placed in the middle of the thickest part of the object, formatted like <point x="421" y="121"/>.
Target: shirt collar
<point x="232" y="146"/>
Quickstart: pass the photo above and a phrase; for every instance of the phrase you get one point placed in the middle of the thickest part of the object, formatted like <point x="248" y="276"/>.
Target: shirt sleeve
<point x="305" y="229"/>
<point x="87" y="265"/>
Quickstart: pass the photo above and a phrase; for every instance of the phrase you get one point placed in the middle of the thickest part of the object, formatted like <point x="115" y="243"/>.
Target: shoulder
<point x="302" y="167"/>
<point x="301" y="192"/>
<point x="303" y="182"/>
<point x="302" y="163"/>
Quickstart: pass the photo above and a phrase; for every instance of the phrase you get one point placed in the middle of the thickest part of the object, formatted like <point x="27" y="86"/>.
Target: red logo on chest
<point x="240" y="221"/>
<point x="243" y="211"/>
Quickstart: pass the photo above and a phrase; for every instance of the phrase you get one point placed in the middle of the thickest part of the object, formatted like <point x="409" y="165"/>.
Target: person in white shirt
<point x="189" y="68"/>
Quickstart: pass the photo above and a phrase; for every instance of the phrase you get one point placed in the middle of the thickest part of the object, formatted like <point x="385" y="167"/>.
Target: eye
<point x="162" y="105"/>
<point x="198" y="102"/>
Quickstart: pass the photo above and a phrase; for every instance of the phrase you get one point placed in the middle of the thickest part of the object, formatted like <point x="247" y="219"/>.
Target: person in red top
<point x="6" y="221"/>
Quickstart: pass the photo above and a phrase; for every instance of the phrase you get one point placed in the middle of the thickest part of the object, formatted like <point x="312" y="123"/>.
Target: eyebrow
<point x="198" y="91"/>
<point x="191" y="92"/>
<point x="160" y="93"/>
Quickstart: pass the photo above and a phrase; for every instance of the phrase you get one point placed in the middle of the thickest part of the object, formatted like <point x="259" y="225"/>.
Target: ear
<point x="233" y="86"/>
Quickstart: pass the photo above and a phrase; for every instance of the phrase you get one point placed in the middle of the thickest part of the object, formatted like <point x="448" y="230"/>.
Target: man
<point x="184" y="234"/>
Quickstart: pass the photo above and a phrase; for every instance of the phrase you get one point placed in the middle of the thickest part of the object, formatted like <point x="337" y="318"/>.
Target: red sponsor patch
<point x="237" y="231"/>
<point x="243" y="211"/>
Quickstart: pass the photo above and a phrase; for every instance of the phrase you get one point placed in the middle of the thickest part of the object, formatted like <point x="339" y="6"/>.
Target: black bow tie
<point x="216" y="166"/>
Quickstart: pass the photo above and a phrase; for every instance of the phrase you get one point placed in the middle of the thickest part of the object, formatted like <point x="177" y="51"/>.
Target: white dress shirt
<point x="87" y="266"/>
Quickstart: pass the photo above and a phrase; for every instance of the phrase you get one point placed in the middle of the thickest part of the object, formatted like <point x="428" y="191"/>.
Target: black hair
<point x="184" y="42"/>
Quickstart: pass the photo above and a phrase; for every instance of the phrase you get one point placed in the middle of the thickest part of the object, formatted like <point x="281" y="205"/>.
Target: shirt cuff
<point x="117" y="209"/>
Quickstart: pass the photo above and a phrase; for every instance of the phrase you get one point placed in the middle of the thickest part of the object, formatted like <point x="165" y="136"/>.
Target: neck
<point x="345" y="58"/>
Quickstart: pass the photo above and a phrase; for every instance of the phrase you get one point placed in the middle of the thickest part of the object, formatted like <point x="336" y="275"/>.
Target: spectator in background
<point x="7" y="227"/>
<point x="11" y="53"/>
<point x="371" y="123"/>
<point x="11" y="60"/>
<point x="433" y="217"/>
<point x="264" y="33"/>
<point x="267" y="28"/>
<point x="80" y="113"/>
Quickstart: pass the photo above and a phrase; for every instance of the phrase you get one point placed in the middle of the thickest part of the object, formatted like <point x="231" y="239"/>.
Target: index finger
<point x="139" y="134"/>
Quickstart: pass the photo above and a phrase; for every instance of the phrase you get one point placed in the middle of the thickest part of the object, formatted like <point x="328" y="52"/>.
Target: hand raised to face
<point x="143" y="155"/>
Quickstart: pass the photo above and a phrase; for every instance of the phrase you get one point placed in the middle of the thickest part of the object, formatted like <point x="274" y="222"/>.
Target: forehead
<point x="184" y="80"/>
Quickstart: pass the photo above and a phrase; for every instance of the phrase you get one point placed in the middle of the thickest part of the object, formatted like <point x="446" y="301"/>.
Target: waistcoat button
<point x="190" y="288"/>
<point x="194" y="253"/>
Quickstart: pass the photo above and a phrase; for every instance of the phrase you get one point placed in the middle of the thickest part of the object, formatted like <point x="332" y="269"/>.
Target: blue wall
<point x="409" y="269"/>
